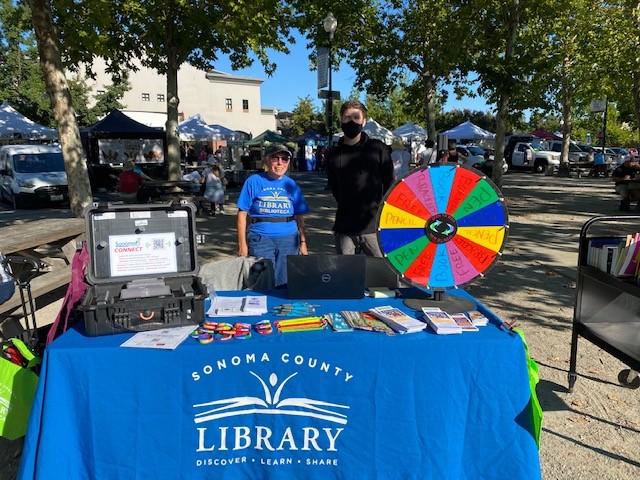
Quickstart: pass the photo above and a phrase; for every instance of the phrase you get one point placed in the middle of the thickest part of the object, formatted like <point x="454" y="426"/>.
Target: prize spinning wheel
<point x="441" y="227"/>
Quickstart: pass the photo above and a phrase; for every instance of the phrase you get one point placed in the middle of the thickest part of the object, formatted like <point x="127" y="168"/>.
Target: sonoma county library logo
<point x="271" y="404"/>
<point x="245" y="429"/>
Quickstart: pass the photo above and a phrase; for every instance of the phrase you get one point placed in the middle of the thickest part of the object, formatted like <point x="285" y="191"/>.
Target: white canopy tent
<point x="469" y="131"/>
<point x="410" y="131"/>
<point x="14" y="125"/>
<point x="374" y="130"/>
<point x="195" y="129"/>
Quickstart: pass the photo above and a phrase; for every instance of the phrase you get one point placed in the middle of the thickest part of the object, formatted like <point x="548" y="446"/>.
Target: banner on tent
<point x="140" y="150"/>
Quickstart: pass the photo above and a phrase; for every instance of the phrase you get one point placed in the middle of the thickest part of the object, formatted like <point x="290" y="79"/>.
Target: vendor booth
<point x="468" y="131"/>
<point x="117" y="138"/>
<point x="308" y="144"/>
<point x="410" y="131"/>
<point x="15" y="126"/>
<point x="254" y="160"/>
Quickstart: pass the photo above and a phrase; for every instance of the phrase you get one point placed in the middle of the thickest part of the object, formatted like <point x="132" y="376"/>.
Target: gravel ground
<point x="592" y="433"/>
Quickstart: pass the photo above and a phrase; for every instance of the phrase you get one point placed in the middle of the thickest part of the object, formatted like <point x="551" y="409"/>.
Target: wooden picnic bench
<point x="51" y="242"/>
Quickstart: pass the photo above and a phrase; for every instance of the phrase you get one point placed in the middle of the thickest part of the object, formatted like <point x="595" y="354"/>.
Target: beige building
<point x="220" y="98"/>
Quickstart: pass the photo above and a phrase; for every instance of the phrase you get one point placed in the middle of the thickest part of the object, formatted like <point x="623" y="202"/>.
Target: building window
<point x="146" y="97"/>
<point x="160" y="97"/>
<point x="245" y="105"/>
<point x="101" y="92"/>
<point x="228" y="104"/>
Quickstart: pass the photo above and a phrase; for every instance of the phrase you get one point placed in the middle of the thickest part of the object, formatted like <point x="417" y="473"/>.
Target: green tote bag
<point x="18" y="385"/>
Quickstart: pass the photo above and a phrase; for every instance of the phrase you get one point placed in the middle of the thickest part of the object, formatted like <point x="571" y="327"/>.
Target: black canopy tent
<point x="117" y="138"/>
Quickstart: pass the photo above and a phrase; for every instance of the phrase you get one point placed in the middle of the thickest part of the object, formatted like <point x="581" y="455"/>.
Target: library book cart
<point x="607" y="308"/>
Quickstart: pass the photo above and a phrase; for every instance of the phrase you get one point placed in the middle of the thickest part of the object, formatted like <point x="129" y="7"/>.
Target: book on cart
<point x="397" y="320"/>
<point x="441" y="322"/>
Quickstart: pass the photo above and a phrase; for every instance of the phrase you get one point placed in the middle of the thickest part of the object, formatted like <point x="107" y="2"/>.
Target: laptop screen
<point x="325" y="276"/>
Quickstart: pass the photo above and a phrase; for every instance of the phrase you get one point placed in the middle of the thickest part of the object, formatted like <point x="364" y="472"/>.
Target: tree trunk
<point x="636" y="97"/>
<point x="563" y="171"/>
<point x="173" y="135"/>
<point x="63" y="111"/>
<point x="430" y="107"/>
<point x="501" y="128"/>
<point x="512" y="20"/>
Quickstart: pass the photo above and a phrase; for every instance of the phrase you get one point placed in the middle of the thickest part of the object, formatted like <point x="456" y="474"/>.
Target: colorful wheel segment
<point x="442" y="226"/>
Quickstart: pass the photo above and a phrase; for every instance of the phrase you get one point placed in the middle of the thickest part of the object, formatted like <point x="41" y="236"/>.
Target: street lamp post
<point x="330" y="24"/>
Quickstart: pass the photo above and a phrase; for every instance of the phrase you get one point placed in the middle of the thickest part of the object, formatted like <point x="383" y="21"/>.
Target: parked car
<point x="487" y="166"/>
<point x="526" y="155"/>
<point x="622" y="154"/>
<point x="474" y="154"/>
<point x="32" y="174"/>
<point x="575" y="152"/>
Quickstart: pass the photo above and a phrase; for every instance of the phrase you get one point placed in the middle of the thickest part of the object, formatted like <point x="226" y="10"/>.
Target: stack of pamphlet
<point x="441" y="322"/>
<point x="463" y="322"/>
<point x="237" y="306"/>
<point x="397" y="320"/>
<point x="477" y="318"/>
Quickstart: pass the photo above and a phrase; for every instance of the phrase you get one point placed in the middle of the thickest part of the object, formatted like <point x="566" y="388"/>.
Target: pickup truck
<point x="525" y="155"/>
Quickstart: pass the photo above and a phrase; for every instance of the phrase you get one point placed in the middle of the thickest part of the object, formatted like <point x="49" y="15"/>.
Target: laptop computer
<point x="325" y="276"/>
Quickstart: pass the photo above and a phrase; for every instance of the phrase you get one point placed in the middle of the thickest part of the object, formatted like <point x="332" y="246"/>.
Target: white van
<point x="32" y="174"/>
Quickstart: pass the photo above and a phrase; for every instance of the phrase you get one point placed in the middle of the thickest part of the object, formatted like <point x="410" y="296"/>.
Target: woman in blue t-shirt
<point x="273" y="205"/>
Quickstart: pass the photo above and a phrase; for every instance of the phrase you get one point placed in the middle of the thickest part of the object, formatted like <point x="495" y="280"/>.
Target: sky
<point x="293" y="79"/>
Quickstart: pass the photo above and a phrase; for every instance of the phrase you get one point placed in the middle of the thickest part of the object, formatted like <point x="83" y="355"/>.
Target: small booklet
<point x="364" y="321"/>
<point x="237" y="306"/>
<point x="463" y="322"/>
<point x="397" y="320"/>
<point x="477" y="318"/>
<point x="164" y="338"/>
<point x="441" y="322"/>
<point x="337" y="322"/>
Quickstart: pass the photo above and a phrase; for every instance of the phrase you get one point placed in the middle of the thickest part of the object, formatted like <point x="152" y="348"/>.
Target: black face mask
<point x="351" y="129"/>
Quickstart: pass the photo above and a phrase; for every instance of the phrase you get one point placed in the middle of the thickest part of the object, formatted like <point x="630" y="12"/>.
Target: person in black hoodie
<point x="360" y="171"/>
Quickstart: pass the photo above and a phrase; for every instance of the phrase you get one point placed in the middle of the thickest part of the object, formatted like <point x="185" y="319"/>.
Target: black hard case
<point x="104" y="311"/>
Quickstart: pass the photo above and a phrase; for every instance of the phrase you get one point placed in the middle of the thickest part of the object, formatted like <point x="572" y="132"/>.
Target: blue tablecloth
<point x="323" y="405"/>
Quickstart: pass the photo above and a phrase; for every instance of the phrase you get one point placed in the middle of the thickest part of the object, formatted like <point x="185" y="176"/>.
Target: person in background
<point x="272" y="206"/>
<point x="454" y="156"/>
<point x="191" y="158"/>
<point x="213" y="192"/>
<point x="599" y="164"/>
<point x="130" y="181"/>
<point x="359" y="171"/>
<point x="429" y="155"/>
<point x="320" y="160"/>
<point x="623" y="176"/>
<point x="400" y="158"/>
<point x="140" y="172"/>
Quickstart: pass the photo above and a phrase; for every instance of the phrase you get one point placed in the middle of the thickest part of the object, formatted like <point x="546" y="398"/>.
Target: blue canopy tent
<point x="307" y="141"/>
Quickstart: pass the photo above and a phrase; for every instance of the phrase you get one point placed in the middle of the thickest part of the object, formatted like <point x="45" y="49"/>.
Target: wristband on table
<point x="263" y="327"/>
